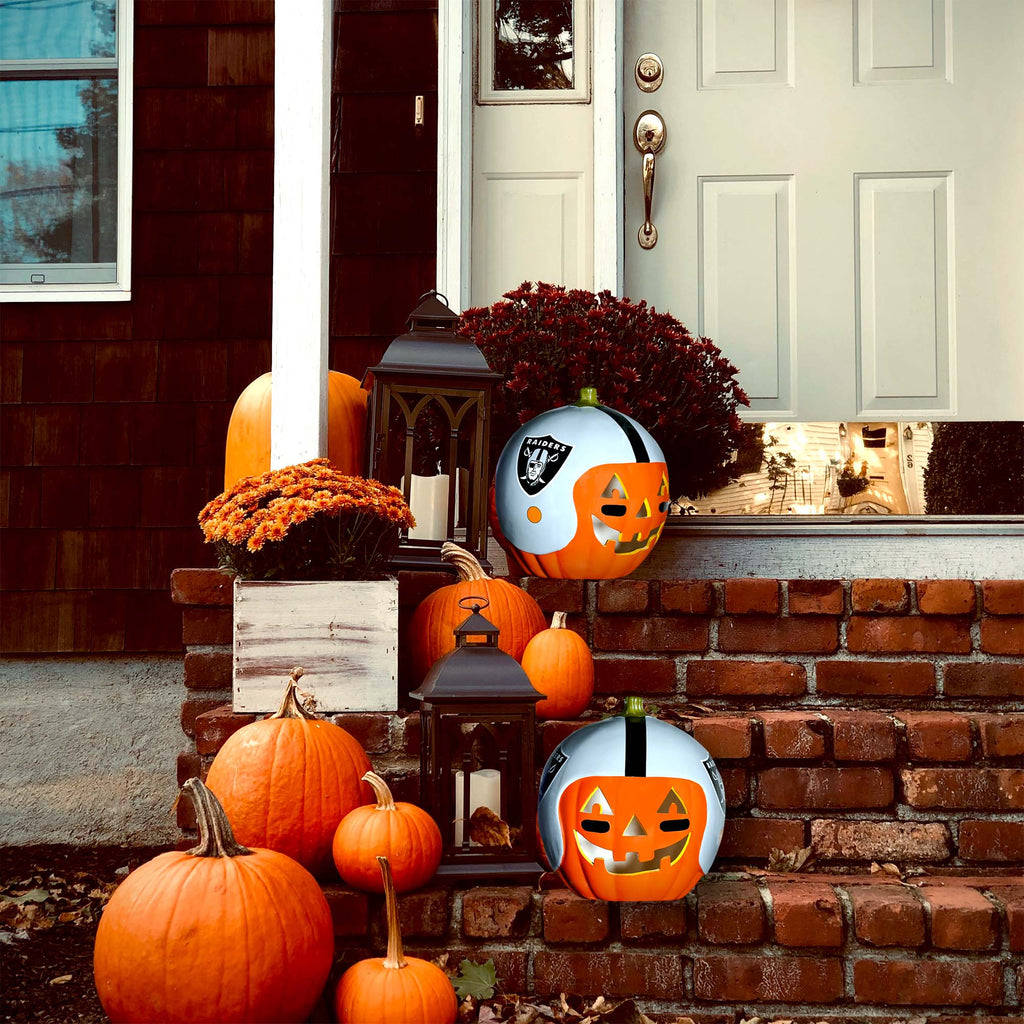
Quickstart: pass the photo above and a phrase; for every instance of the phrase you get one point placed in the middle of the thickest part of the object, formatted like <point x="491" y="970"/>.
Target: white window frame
<point x="120" y="288"/>
<point x="579" y="93"/>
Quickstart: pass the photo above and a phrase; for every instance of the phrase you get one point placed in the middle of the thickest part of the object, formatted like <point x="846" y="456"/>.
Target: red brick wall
<point x="873" y="721"/>
<point x="114" y="414"/>
<point x="876" y="720"/>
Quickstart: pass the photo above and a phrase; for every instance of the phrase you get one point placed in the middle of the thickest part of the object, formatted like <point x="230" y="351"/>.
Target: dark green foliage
<point x="975" y="469"/>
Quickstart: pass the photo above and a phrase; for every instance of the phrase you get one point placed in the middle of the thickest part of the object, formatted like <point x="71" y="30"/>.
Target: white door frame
<point x="456" y="22"/>
<point x="986" y="548"/>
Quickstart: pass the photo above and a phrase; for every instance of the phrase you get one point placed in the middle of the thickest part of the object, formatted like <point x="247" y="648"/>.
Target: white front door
<point x="839" y="202"/>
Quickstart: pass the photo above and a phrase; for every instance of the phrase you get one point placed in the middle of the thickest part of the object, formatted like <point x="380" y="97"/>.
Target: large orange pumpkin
<point x="218" y="933"/>
<point x="398" y="989"/>
<point x="560" y="665"/>
<point x="247" y="451"/>
<point x="287" y="780"/>
<point x="511" y="609"/>
<point x="402" y="832"/>
<point x="581" y="492"/>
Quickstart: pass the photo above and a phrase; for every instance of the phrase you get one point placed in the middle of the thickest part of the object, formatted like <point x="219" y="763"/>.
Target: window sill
<point x="66" y="293"/>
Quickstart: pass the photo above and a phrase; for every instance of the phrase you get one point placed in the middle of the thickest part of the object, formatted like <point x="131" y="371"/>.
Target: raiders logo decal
<point x="540" y="458"/>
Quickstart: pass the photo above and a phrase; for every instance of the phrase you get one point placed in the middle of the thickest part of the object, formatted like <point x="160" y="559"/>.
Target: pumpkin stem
<point x="395" y="960"/>
<point x="465" y="563"/>
<point x="635" y="707"/>
<point x="291" y="706"/>
<point x="385" y="801"/>
<point x="558" y="620"/>
<point x="588" y="397"/>
<point x="215" y="836"/>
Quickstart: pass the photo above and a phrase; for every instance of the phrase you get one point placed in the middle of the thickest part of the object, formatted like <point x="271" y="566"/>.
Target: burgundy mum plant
<point x="549" y="342"/>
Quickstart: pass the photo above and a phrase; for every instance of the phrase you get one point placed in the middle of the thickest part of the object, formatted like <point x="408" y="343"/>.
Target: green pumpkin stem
<point x="395" y="960"/>
<point x="558" y="620"/>
<point x="291" y="706"/>
<point x="634" y="707"/>
<point x="465" y="563"/>
<point x="215" y="836"/>
<point x="385" y="801"/>
<point x="588" y="397"/>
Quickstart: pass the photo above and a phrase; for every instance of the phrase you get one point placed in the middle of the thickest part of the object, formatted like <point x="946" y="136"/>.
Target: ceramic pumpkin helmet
<point x="580" y="492"/>
<point x="631" y="808"/>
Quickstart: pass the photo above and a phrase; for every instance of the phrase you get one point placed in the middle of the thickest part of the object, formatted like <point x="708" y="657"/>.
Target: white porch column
<point x="302" y="116"/>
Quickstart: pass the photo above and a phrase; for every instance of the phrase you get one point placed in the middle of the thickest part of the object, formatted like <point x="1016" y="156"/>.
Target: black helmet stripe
<point x="629" y="429"/>
<point x="636" y="746"/>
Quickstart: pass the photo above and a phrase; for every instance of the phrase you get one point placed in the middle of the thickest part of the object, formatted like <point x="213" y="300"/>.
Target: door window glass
<point x="533" y="44"/>
<point x="881" y="468"/>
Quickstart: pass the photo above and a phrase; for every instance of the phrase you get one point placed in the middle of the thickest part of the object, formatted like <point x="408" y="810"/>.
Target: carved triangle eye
<point x="672" y="804"/>
<point x="663" y="489"/>
<point x="615" y="488"/>
<point x="645" y="510"/>
<point x="596" y="803"/>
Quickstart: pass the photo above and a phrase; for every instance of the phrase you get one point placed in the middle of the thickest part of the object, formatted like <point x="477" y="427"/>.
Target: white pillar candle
<point x="484" y="791"/>
<point x="428" y="501"/>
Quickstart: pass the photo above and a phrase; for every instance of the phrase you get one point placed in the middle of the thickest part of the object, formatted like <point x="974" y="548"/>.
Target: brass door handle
<point x="648" y="137"/>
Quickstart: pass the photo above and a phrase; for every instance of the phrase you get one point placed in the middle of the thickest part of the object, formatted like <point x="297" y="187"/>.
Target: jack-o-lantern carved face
<point x="632" y="838"/>
<point x="621" y="509"/>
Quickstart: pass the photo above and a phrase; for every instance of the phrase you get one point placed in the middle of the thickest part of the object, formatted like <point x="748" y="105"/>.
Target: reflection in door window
<point x="533" y="44"/>
<point x="879" y="468"/>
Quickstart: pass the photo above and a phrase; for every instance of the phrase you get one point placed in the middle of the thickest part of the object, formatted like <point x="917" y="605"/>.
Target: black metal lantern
<point x="477" y="716"/>
<point x="429" y="434"/>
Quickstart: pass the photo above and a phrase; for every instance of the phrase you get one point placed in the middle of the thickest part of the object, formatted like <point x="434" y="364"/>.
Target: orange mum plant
<point x="306" y="522"/>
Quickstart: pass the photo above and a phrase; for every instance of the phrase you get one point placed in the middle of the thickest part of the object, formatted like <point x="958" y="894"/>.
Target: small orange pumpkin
<point x="220" y="933"/>
<point x="399" y="989"/>
<point x="402" y="832"/>
<point x="287" y="780"/>
<point x="247" y="451"/>
<point x="560" y="665"/>
<point x="511" y="609"/>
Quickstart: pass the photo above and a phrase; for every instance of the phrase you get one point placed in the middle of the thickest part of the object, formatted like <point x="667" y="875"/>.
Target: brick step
<point x="913" y="788"/>
<point x="774" y="945"/>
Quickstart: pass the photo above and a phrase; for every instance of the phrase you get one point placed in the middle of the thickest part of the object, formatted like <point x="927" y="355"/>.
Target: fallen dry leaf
<point x="885" y="869"/>
<point x="487" y="829"/>
<point x="62" y="980"/>
<point x="794" y="860"/>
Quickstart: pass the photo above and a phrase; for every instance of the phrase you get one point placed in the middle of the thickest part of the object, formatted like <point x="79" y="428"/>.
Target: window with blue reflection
<point x="58" y="171"/>
<point x="57" y="29"/>
<point x="59" y="106"/>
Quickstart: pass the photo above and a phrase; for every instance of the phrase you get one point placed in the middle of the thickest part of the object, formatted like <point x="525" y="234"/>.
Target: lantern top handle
<point x="432" y="312"/>
<point x="476" y="625"/>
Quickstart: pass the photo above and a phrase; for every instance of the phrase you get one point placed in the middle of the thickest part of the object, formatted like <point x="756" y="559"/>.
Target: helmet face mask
<point x="647" y="834"/>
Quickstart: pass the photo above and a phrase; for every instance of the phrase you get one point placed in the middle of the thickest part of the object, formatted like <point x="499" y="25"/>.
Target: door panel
<point x="839" y="205"/>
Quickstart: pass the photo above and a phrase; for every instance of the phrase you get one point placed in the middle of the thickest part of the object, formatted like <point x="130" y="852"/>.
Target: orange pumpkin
<point x="247" y="452"/>
<point x="402" y="832"/>
<point x="581" y="492"/>
<point x="511" y="609"/>
<point x="560" y="665"/>
<point x="398" y="989"/>
<point x="287" y="780"/>
<point x="220" y="933"/>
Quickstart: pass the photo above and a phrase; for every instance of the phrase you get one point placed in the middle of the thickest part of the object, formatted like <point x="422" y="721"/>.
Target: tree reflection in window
<point x="533" y="44"/>
<point x="58" y="135"/>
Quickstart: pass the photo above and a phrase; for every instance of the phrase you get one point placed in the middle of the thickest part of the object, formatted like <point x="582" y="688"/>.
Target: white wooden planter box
<point x="344" y="634"/>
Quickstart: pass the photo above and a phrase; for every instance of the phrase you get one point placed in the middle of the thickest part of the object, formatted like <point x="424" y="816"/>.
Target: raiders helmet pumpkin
<point x="631" y="808"/>
<point x="580" y="492"/>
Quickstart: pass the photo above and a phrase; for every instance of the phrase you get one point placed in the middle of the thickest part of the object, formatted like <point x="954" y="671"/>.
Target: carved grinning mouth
<point x="632" y="865"/>
<point x="604" y="533"/>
